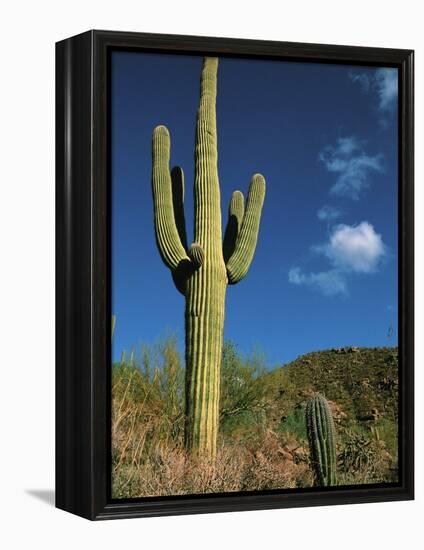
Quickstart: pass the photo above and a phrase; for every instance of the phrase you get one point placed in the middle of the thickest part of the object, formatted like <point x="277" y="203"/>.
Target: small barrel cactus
<point x="322" y="440"/>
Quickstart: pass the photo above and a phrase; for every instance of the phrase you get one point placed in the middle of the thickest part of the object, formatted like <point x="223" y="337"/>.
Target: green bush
<point x="294" y="423"/>
<point x="245" y="398"/>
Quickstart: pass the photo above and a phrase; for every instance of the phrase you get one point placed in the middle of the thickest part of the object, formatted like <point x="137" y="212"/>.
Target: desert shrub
<point x="294" y="423"/>
<point x="388" y="432"/>
<point x="364" y="458"/>
<point x="245" y="398"/>
<point x="147" y="402"/>
<point x="172" y="471"/>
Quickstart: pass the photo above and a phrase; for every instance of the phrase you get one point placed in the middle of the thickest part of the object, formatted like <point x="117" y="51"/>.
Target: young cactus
<point x="322" y="440"/>
<point x="202" y="271"/>
<point x="113" y="324"/>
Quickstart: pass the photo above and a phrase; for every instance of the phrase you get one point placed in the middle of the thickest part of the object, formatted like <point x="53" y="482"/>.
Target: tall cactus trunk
<point x="202" y="271"/>
<point x="205" y="297"/>
<point x="204" y="320"/>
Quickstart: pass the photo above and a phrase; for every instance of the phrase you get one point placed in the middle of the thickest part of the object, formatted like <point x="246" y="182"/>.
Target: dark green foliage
<point x="294" y="423"/>
<point x="244" y="395"/>
<point x="322" y="440"/>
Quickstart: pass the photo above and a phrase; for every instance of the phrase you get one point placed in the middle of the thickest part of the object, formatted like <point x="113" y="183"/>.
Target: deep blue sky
<point x="322" y="135"/>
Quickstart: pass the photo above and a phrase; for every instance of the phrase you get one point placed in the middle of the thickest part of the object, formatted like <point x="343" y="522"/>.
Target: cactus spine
<point x="202" y="271"/>
<point x="322" y="440"/>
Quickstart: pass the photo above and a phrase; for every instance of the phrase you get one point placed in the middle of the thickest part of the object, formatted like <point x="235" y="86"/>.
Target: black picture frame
<point x="83" y="281"/>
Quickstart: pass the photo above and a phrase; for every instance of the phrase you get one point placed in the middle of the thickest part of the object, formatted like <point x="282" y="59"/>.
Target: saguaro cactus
<point x="203" y="270"/>
<point x="322" y="440"/>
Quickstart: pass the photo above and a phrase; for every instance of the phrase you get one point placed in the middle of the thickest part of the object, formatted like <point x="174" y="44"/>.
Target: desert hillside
<point x="362" y="382"/>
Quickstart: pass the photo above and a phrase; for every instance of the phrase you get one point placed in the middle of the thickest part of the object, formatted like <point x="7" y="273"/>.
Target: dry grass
<point x="146" y="466"/>
<point x="148" y="456"/>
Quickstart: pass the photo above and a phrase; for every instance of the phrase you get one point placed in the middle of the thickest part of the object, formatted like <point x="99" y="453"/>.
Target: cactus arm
<point x="167" y="236"/>
<point x="240" y="260"/>
<point x="187" y="268"/>
<point x="197" y="255"/>
<point x="235" y="219"/>
<point x="177" y="179"/>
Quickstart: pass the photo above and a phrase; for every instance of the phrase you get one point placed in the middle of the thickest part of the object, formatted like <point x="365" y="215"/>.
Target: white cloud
<point x="351" y="164"/>
<point x="329" y="213"/>
<point x="363" y="79"/>
<point x="383" y="83"/>
<point x="329" y="283"/>
<point x="354" y="248"/>
<point x="386" y="84"/>
<point x="349" y="250"/>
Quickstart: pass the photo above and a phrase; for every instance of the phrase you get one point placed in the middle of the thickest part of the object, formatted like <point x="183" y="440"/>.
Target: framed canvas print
<point x="234" y="275"/>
